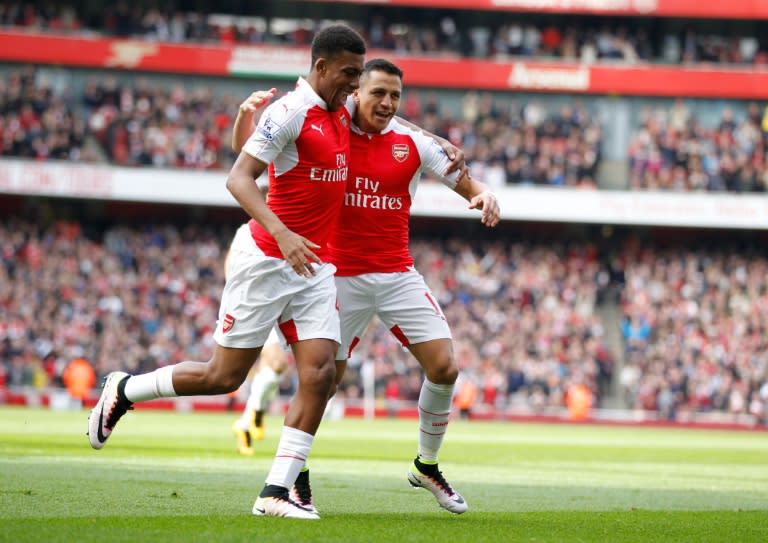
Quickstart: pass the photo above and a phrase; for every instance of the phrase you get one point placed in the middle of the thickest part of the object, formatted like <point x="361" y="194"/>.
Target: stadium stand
<point x="413" y="31"/>
<point x="669" y="333"/>
<point x="145" y="124"/>
<point x="111" y="297"/>
<point x="674" y="150"/>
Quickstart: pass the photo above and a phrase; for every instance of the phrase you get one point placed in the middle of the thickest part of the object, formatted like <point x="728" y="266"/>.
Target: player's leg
<point x="357" y="307"/>
<point x="272" y="365"/>
<point x="436" y="357"/>
<point x="440" y="370"/>
<point x="315" y="369"/>
<point x="411" y="312"/>
<point x="245" y="319"/>
<point x="223" y="373"/>
<point x="310" y="325"/>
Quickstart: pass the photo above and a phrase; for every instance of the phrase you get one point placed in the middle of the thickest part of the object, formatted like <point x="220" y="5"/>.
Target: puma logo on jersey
<point x="313" y="126"/>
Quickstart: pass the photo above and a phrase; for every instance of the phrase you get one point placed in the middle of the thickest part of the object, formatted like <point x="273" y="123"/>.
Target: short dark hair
<point x="335" y="39"/>
<point x="382" y="65"/>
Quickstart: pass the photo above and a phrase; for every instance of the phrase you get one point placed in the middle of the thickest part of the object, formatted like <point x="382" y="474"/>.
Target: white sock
<point x="434" y="414"/>
<point x="263" y="385"/>
<point x="292" y="453"/>
<point x="148" y="386"/>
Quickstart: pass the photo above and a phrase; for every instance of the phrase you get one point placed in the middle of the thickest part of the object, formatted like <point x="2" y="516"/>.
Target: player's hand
<point x="489" y="204"/>
<point x="456" y="156"/>
<point x="297" y="251"/>
<point x="257" y="100"/>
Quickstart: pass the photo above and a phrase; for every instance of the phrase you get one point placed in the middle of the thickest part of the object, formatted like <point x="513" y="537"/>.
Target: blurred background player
<point x="273" y="362"/>
<point x="275" y="272"/>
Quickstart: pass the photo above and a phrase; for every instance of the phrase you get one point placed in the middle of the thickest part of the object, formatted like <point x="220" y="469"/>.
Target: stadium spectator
<point x="673" y="150"/>
<point x="113" y="294"/>
<point x="135" y="125"/>
<point x="412" y="32"/>
<point x="79" y="379"/>
<point x="704" y="351"/>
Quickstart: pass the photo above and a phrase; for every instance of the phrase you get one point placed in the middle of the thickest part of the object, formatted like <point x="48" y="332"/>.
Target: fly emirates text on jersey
<point x="364" y="196"/>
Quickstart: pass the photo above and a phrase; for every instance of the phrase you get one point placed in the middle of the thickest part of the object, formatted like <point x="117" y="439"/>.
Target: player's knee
<point x="319" y="378"/>
<point x="327" y="375"/>
<point x="451" y="374"/>
<point x="223" y="382"/>
<point x="444" y="371"/>
<point x="323" y="378"/>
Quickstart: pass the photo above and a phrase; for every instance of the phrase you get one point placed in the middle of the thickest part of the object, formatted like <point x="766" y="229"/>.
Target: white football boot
<point x="108" y="410"/>
<point x="301" y="492"/>
<point x="434" y="481"/>
<point x="282" y="506"/>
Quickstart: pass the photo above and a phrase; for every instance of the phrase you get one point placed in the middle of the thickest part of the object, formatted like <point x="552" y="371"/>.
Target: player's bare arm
<point x="479" y="197"/>
<point x="455" y="155"/>
<point x="241" y="182"/>
<point x="248" y="114"/>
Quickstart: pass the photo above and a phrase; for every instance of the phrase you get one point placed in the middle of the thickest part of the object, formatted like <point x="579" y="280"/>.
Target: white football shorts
<point x="402" y="301"/>
<point x="262" y="291"/>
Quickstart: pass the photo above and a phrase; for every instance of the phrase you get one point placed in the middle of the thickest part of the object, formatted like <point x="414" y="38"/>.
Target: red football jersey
<point x="371" y="235"/>
<point x="306" y="147"/>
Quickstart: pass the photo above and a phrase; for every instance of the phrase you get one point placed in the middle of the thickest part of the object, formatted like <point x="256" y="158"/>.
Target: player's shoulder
<point x="286" y="113"/>
<point x="396" y="129"/>
<point x="288" y="106"/>
<point x="425" y="145"/>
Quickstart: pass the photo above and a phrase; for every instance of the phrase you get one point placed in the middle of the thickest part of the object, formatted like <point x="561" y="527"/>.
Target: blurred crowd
<point x="507" y="140"/>
<point x="695" y="331"/>
<point x="524" y="322"/>
<point x="127" y="298"/>
<point x="674" y="150"/>
<point x="517" y="142"/>
<point x="136" y="124"/>
<point x="140" y="124"/>
<point x="525" y="317"/>
<point x="413" y="32"/>
<point x="136" y="298"/>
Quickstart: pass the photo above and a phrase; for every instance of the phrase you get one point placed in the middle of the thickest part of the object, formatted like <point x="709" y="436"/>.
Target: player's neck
<point x="314" y="82"/>
<point x="369" y="130"/>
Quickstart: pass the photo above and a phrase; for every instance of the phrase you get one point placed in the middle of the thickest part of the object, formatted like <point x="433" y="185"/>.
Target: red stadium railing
<point x="444" y="72"/>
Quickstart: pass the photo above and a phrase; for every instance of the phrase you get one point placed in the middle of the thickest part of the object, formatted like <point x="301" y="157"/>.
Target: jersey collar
<point x="303" y="86"/>
<point x="357" y="130"/>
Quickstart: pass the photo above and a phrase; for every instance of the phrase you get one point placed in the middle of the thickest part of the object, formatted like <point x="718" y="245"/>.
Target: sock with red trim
<point x="434" y="414"/>
<point x="292" y="453"/>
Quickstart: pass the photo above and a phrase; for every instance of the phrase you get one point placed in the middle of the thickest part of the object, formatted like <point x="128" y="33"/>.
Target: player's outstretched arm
<point x="455" y="155"/>
<point x="480" y="197"/>
<point x="247" y="115"/>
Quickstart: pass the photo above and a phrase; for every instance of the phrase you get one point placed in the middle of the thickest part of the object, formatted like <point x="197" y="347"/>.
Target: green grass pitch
<point x="176" y="477"/>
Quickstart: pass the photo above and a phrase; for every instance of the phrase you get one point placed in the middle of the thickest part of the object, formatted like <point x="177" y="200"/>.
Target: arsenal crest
<point x="400" y="151"/>
<point x="229" y="322"/>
